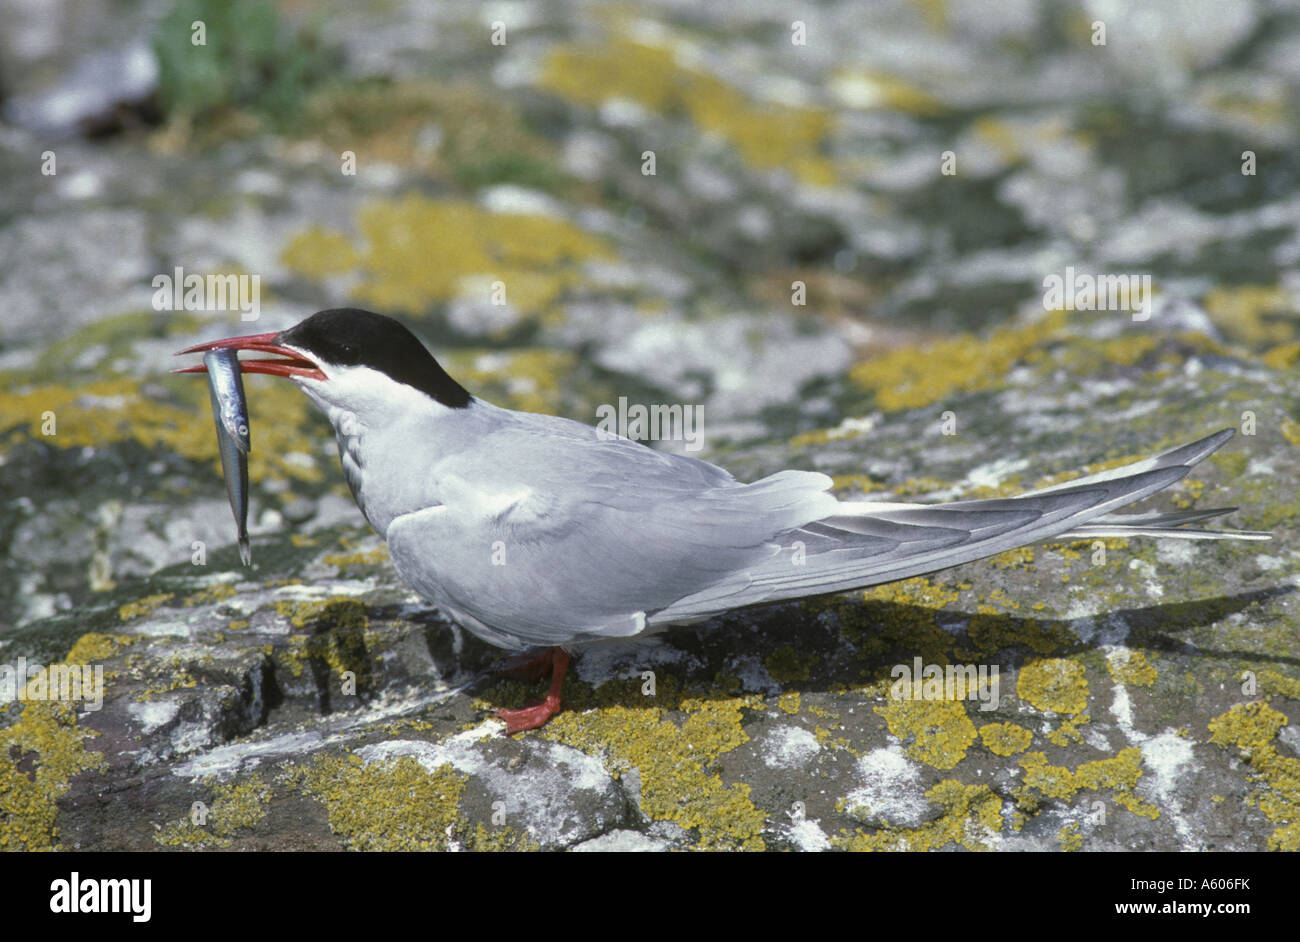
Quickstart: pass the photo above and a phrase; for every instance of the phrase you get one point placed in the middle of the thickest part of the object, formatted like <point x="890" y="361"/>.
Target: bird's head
<point x="356" y="361"/>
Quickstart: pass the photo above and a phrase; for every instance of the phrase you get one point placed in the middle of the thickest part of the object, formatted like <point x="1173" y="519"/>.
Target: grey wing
<point x="865" y="544"/>
<point x="604" y="533"/>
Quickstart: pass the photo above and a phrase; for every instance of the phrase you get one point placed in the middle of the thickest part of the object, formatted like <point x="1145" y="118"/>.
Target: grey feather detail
<point x="871" y="544"/>
<point x="1162" y="526"/>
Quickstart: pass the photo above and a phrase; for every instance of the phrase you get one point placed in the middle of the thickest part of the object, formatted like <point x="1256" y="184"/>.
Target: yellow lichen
<point x="372" y="557"/>
<point x="104" y="412"/>
<point x="94" y="646"/>
<point x="1257" y="315"/>
<point x="766" y="134"/>
<point x="941" y="729"/>
<point x="972" y="816"/>
<point x="211" y="595"/>
<point x="144" y="606"/>
<point x="1069" y="837"/>
<point x="912" y="377"/>
<point x="789" y="702"/>
<point x="339" y="637"/>
<point x="536" y="258"/>
<point x="1290" y="430"/>
<point x="1068" y="732"/>
<point x="1252" y="729"/>
<point x="395" y="805"/>
<point x="1276" y="683"/>
<point x="1120" y="774"/>
<point x="39" y="755"/>
<point x="1057" y="685"/>
<point x="1005" y="739"/>
<point x="676" y="763"/>
<point x="234" y="806"/>
<point x="1130" y="667"/>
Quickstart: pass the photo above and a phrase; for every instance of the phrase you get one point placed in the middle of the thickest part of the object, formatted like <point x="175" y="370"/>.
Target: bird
<point x="537" y="531"/>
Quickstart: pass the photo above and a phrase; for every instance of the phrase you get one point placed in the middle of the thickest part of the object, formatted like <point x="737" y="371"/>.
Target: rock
<point x="792" y="268"/>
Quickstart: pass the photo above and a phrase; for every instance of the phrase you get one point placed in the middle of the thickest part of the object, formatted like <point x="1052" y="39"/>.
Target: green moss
<point x="1057" y="685"/>
<point x="249" y="59"/>
<point x="940" y="729"/>
<point x="786" y="666"/>
<point x="1252" y="728"/>
<point x="1005" y="739"/>
<point x="481" y="140"/>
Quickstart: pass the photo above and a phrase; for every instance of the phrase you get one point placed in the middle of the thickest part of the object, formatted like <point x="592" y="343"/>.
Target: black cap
<point x="347" y="336"/>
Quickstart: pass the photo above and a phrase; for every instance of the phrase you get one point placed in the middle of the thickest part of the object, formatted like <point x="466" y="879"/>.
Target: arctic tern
<point x="536" y="530"/>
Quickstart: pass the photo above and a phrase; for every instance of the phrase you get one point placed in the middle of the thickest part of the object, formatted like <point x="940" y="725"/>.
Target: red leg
<point x="532" y="717"/>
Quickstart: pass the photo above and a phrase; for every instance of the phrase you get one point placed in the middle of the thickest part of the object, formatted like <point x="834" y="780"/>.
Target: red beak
<point x="291" y="364"/>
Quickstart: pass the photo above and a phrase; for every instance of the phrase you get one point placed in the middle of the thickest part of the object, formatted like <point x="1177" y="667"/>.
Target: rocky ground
<point x="799" y="264"/>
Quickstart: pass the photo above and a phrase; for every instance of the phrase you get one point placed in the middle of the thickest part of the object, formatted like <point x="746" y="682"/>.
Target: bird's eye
<point x="347" y="354"/>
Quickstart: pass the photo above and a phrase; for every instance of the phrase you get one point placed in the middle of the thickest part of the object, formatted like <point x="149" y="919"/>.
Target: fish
<point x="230" y="414"/>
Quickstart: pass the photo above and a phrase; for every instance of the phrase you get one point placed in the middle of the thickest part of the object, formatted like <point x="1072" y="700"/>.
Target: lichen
<point x="971" y="818"/>
<point x="1252" y="728"/>
<point x="1120" y="774"/>
<point x="386" y="806"/>
<point x="1058" y="685"/>
<point x="144" y="606"/>
<point x="911" y="377"/>
<point x="95" y="646"/>
<point x="940" y="729"/>
<point x="766" y="134"/>
<point x="676" y="763"/>
<point x="1130" y="667"/>
<point x="536" y="257"/>
<point x="234" y="806"/>
<point x="1005" y="739"/>
<point x="39" y="755"/>
<point x="103" y="412"/>
<point x="338" y="638"/>
<point x="1069" y="837"/>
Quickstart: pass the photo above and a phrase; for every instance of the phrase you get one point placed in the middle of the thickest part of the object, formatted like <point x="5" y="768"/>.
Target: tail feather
<point x="1162" y="525"/>
<point x="866" y="543"/>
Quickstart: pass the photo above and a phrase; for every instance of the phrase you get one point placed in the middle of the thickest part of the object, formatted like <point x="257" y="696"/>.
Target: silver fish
<point x="230" y="413"/>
